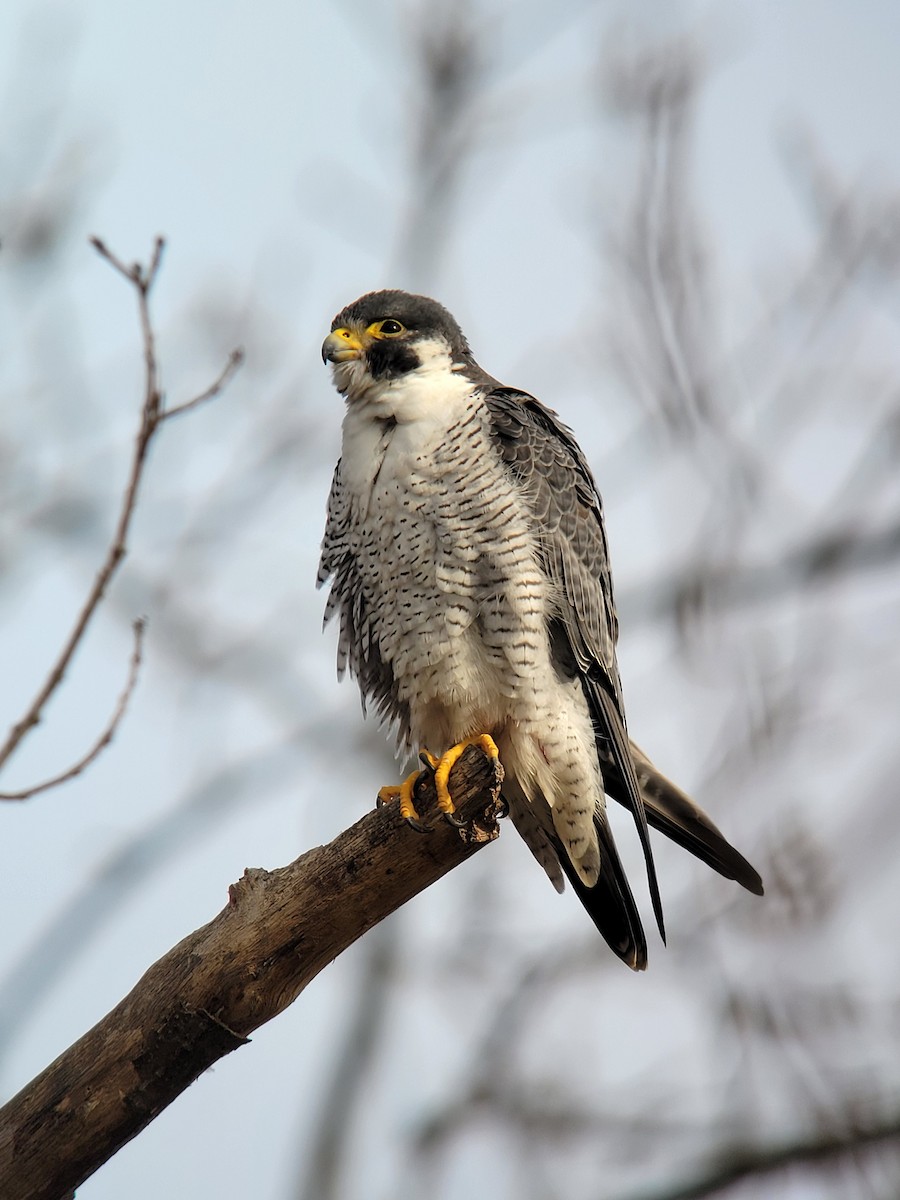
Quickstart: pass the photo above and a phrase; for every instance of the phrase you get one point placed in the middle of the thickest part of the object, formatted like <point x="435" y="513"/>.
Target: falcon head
<point x="386" y="337"/>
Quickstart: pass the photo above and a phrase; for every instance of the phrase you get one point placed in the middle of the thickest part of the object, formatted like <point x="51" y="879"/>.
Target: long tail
<point x="679" y="818"/>
<point x="609" y="903"/>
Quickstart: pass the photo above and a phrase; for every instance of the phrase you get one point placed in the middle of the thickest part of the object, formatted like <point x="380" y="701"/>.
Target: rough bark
<point x="204" y="997"/>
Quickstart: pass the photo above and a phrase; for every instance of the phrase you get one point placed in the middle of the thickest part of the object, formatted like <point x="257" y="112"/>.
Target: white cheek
<point x="433" y="393"/>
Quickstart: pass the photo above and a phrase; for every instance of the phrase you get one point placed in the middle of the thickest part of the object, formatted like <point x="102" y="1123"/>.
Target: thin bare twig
<point x="235" y="358"/>
<point x="108" y="733"/>
<point x="153" y="414"/>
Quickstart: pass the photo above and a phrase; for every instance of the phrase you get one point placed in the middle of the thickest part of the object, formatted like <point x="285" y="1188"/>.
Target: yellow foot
<point x="404" y="793"/>
<point x="444" y="766"/>
<point x="441" y="767"/>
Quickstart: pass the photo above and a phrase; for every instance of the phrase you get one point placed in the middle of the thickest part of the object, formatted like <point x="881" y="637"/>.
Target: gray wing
<point x="552" y="472"/>
<point x="358" y="645"/>
<point x="550" y="467"/>
<point x="547" y="460"/>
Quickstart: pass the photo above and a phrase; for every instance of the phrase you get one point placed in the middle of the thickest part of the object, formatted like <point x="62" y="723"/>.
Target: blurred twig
<point x="450" y="50"/>
<point x="829" y="555"/>
<point x="321" y="1176"/>
<point x="735" y="1164"/>
<point x="153" y="414"/>
<point x="105" y="737"/>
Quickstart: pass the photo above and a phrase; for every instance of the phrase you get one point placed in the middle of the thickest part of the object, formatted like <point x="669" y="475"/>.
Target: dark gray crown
<point x="421" y="315"/>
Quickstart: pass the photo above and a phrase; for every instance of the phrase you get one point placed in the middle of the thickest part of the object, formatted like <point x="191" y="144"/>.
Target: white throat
<point x="434" y="392"/>
<point x="391" y="427"/>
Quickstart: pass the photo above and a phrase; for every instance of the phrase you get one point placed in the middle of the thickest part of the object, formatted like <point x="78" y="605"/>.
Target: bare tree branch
<point x="737" y="1163"/>
<point x="105" y="889"/>
<point x="108" y="733"/>
<point x="829" y="555"/>
<point x="204" y="997"/>
<point x="235" y="358"/>
<point x="153" y="414"/>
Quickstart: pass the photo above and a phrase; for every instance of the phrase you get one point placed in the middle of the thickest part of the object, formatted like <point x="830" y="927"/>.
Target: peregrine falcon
<point x="468" y="562"/>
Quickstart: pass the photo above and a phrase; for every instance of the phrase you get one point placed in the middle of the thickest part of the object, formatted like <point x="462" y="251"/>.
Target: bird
<point x="467" y="557"/>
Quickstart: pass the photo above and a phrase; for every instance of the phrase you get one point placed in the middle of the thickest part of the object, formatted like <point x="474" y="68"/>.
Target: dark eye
<point x="391" y="328"/>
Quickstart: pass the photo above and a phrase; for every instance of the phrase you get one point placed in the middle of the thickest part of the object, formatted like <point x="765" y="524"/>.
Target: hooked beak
<point x="343" y="345"/>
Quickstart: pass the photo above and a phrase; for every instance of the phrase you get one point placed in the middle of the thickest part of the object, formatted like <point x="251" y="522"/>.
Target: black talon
<point x="455" y="821"/>
<point x="417" y="825"/>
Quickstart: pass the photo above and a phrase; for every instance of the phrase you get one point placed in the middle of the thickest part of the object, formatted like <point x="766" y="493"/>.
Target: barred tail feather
<point x="672" y="812"/>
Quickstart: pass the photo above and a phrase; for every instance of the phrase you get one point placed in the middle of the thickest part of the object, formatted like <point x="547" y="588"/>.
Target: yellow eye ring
<point x="386" y="329"/>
